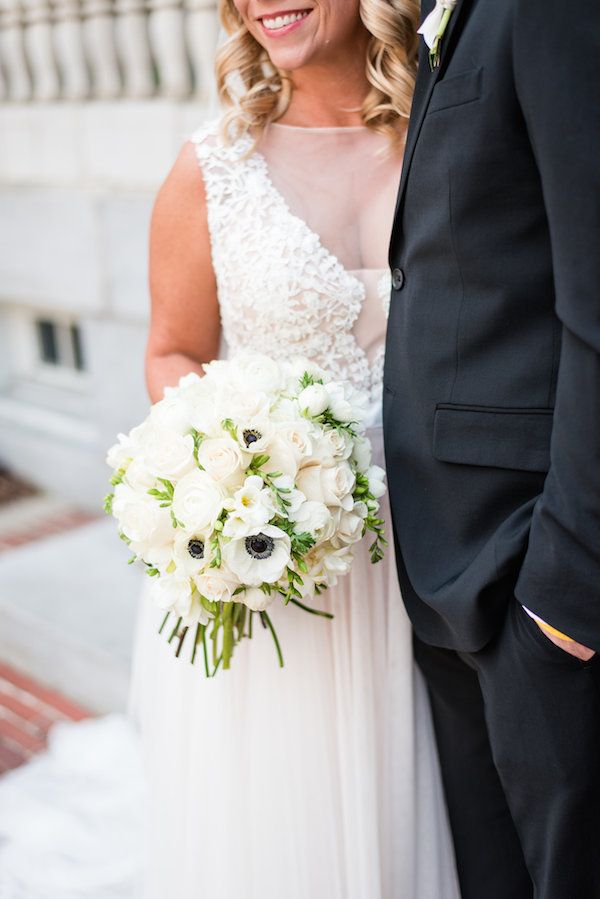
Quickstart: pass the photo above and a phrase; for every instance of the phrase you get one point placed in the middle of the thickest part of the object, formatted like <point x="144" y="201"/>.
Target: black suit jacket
<point x="492" y="372"/>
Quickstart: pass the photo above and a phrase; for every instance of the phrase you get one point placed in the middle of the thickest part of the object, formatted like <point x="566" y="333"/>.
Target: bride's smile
<point x="283" y="23"/>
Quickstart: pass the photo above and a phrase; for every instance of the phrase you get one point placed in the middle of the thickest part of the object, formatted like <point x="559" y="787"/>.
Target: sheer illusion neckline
<point x="319" y="129"/>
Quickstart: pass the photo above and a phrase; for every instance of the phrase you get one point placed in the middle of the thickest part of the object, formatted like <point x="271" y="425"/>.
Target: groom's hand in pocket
<point x="563" y="642"/>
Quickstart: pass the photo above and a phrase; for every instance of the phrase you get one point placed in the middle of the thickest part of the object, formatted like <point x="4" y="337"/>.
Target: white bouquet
<point x="247" y="485"/>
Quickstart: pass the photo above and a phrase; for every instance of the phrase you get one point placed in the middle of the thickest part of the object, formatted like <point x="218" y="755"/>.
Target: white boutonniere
<point x="434" y="27"/>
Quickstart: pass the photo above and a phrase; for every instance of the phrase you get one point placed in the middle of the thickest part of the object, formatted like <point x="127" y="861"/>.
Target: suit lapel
<point x="426" y="81"/>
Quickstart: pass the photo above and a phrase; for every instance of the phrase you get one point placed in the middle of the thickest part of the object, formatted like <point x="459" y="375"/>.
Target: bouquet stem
<point x="268" y="623"/>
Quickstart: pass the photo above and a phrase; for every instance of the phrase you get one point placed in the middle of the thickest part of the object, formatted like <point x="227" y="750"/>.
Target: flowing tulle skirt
<point x="318" y="781"/>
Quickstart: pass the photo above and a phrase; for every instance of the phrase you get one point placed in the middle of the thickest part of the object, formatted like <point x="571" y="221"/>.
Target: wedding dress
<point x="316" y="781"/>
<point x="319" y="780"/>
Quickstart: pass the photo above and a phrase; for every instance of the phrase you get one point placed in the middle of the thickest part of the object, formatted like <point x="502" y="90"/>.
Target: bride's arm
<point x="185" y="324"/>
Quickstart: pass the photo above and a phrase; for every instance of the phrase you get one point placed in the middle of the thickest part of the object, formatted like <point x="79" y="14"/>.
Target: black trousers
<point x="518" y="730"/>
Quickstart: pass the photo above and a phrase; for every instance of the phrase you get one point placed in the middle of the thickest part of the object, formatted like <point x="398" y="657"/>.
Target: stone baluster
<point x="167" y="39"/>
<point x="98" y="29"/>
<point x="39" y="49"/>
<point x="70" y="56"/>
<point x="12" y="51"/>
<point x="202" y="32"/>
<point x="134" y="48"/>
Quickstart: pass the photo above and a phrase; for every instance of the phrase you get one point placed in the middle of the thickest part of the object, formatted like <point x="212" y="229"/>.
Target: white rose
<point x="250" y="507"/>
<point x="299" y="437"/>
<point x="333" y="446"/>
<point x="168" y="454"/>
<point x="332" y="486"/>
<point x="314" y="518"/>
<point x="259" y="558"/>
<point x="175" y="594"/>
<point x="376" y="478"/>
<point x="282" y="457"/>
<point x="350" y="528"/>
<point x="217" y="585"/>
<point x="139" y="476"/>
<point x="197" y="501"/>
<point x="255" y="599"/>
<point x="314" y="400"/>
<point x="362" y="453"/>
<point x="141" y="518"/>
<point x="222" y="459"/>
<point x="338" y="402"/>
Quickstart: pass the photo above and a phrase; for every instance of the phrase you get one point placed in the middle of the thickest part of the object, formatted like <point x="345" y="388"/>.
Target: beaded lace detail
<point x="281" y="292"/>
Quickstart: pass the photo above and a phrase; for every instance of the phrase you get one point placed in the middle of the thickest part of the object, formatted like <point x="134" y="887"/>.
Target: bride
<point x="319" y="781"/>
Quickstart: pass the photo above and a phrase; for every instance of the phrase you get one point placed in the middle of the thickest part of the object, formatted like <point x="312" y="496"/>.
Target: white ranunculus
<point x="171" y="414"/>
<point x="223" y="460"/>
<point x="141" y="518"/>
<point x="250" y="507"/>
<point x="217" y="585"/>
<point x="338" y="563"/>
<point x="257" y="372"/>
<point x="176" y="594"/>
<point x="314" y="518"/>
<point x="259" y="558"/>
<point x="376" y="478"/>
<point x="300" y="365"/>
<point x="362" y="453"/>
<point x="168" y="454"/>
<point x="120" y="455"/>
<point x="198" y="501"/>
<point x="256" y="599"/>
<point x="338" y="402"/>
<point x="314" y="400"/>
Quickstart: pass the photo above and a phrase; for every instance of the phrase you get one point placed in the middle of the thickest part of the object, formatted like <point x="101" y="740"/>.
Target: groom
<point x="492" y="428"/>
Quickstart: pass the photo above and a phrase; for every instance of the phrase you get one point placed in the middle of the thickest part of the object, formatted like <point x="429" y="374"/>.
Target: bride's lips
<point x="301" y="15"/>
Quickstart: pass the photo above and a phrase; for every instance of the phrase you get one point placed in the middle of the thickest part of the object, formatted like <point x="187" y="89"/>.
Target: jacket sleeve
<point x="556" y="47"/>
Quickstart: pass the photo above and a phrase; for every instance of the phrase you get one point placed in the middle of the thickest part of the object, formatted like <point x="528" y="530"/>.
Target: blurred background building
<point x="96" y="98"/>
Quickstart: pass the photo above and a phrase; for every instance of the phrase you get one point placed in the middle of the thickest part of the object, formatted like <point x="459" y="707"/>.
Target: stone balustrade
<point x="60" y="50"/>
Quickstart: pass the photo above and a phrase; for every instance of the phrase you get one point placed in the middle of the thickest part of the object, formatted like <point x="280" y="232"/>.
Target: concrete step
<point x="67" y="612"/>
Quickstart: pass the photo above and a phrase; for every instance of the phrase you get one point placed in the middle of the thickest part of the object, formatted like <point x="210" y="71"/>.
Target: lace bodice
<point x="281" y="290"/>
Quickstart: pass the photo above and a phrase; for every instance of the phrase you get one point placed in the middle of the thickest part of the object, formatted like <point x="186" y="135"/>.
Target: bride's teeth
<point x="283" y="21"/>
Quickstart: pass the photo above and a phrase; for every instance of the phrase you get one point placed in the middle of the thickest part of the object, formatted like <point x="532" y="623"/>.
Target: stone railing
<point x="52" y="50"/>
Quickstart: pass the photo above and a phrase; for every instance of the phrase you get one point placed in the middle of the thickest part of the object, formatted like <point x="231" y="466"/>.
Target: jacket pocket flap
<point x="499" y="438"/>
<point x="456" y="90"/>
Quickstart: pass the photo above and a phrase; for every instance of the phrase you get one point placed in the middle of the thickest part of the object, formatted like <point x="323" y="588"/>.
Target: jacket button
<point x="398" y="279"/>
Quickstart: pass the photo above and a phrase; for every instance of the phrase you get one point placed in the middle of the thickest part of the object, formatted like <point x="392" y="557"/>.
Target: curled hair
<point x="257" y="93"/>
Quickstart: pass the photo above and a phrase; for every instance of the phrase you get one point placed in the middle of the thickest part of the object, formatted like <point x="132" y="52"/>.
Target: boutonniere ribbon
<point x="434" y="27"/>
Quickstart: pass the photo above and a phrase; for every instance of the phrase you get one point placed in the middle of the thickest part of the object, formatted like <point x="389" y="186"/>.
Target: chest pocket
<point x="456" y="90"/>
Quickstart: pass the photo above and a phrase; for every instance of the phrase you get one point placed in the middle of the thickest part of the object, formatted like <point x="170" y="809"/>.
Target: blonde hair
<point x="257" y="93"/>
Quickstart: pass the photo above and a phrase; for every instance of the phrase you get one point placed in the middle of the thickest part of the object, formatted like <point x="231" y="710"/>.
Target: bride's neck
<point x="326" y="96"/>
